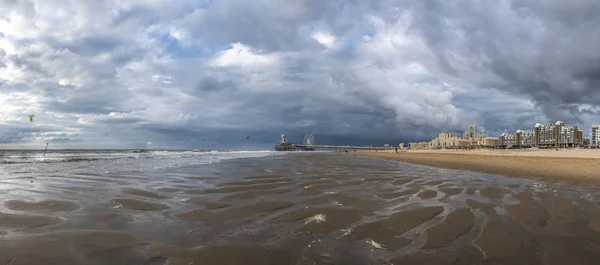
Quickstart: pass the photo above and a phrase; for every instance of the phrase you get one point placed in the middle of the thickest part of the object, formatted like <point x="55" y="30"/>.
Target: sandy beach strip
<point x="574" y="166"/>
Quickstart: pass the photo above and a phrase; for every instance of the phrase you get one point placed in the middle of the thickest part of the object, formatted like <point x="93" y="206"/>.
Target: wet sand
<point x="579" y="167"/>
<point x="299" y="209"/>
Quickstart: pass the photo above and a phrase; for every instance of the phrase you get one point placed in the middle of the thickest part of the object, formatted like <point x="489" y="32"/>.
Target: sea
<point x="264" y="207"/>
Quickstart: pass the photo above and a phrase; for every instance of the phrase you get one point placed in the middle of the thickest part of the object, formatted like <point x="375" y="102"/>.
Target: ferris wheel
<point x="309" y="140"/>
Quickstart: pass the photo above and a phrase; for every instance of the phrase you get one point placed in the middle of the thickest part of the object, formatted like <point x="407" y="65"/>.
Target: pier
<point x="308" y="145"/>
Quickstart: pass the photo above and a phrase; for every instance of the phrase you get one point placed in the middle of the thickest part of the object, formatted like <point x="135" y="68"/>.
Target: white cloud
<point x="326" y="39"/>
<point x="242" y="55"/>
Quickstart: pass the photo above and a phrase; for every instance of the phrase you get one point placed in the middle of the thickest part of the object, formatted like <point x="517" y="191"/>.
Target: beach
<point x="271" y="208"/>
<point x="574" y="166"/>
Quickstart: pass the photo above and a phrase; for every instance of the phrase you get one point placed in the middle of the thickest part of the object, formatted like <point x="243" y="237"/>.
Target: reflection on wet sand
<point x="301" y="209"/>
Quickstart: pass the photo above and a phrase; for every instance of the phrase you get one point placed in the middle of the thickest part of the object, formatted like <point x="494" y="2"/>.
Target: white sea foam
<point x="317" y="218"/>
<point x="375" y="244"/>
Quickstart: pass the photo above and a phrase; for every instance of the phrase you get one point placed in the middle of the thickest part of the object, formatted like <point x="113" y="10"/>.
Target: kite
<point x="31" y="118"/>
<point x="247" y="137"/>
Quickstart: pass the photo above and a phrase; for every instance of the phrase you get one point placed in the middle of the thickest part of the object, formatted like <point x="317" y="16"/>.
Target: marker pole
<point x="46" y="149"/>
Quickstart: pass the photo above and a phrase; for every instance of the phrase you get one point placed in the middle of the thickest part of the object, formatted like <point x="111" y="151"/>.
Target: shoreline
<point x="577" y="167"/>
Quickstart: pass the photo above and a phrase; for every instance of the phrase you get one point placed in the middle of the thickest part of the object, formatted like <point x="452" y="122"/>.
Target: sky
<point x="211" y="73"/>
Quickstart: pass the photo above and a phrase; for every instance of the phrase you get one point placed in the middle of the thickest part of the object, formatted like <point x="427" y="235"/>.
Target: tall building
<point x="525" y="138"/>
<point x="545" y="134"/>
<point x="596" y="135"/>
<point x="558" y="135"/>
<point x="473" y="134"/>
<point x="567" y="136"/>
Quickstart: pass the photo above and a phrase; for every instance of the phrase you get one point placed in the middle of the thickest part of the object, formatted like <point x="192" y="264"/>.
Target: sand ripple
<point x="41" y="206"/>
<point x="456" y="224"/>
<point x="13" y="221"/>
<point x="213" y="217"/>
<point x="307" y="209"/>
<point x="388" y="231"/>
<point x="144" y="193"/>
<point x="132" y="204"/>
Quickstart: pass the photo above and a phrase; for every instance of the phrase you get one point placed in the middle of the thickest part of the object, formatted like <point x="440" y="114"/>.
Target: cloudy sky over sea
<point x="206" y="74"/>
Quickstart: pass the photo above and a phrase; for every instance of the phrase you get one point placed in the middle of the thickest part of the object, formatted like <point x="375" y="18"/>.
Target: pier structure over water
<point x="308" y="144"/>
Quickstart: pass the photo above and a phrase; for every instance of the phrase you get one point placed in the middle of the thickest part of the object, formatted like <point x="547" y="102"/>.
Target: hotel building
<point x="446" y="140"/>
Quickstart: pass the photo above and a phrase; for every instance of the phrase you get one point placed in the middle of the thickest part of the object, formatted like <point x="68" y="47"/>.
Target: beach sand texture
<point x="297" y="209"/>
<point x="575" y="166"/>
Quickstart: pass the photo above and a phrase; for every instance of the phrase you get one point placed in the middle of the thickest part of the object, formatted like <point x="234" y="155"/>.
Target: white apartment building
<point x="596" y="135"/>
<point x="567" y="135"/>
<point x="526" y="138"/>
<point x="435" y="143"/>
<point x="508" y="139"/>
<point x="546" y="133"/>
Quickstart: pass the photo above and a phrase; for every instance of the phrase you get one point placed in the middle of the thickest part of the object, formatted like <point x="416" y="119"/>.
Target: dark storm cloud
<point x="90" y="45"/>
<point x="543" y="50"/>
<point x="195" y="74"/>
<point x="214" y="84"/>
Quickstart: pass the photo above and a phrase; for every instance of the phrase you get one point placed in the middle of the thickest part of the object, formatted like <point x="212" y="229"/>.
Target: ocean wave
<point x="51" y="161"/>
<point x="185" y="156"/>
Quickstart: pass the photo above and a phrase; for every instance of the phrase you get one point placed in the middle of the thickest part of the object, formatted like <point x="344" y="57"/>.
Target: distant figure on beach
<point x="396" y="150"/>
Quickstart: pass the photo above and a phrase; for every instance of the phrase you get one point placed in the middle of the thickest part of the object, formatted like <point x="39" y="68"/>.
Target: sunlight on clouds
<point x="325" y="39"/>
<point x="242" y="55"/>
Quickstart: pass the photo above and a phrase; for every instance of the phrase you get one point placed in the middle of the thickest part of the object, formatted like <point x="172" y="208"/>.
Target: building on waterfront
<point x="447" y="140"/>
<point x="472" y="133"/>
<point x="463" y="143"/>
<point x="507" y="140"/>
<point x="586" y="142"/>
<point x="568" y="136"/>
<point x="419" y="145"/>
<point x="434" y="144"/>
<point x="525" y="138"/>
<point x="543" y="135"/>
<point x="546" y="134"/>
<point x="489" y="142"/>
<point x="558" y="135"/>
<point x="465" y="135"/>
<point x="482" y="134"/>
<point x="595" y="136"/>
